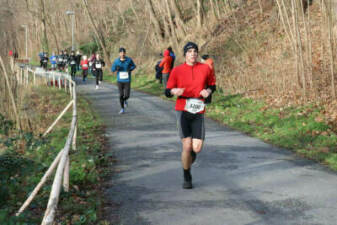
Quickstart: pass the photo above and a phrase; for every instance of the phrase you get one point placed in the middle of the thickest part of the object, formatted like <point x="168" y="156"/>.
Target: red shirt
<point x="193" y="78"/>
<point x="84" y="64"/>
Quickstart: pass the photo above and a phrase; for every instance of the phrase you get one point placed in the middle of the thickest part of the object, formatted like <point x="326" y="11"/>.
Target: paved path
<point x="238" y="180"/>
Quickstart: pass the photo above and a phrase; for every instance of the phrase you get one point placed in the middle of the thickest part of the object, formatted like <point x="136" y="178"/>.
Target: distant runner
<point x="44" y="61"/>
<point x="192" y="82"/>
<point x="123" y="65"/>
<point x="97" y="68"/>
<point x="85" y="67"/>
<point x="72" y="63"/>
<point x="53" y="61"/>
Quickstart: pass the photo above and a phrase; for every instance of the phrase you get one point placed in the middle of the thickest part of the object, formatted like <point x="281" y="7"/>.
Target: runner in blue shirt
<point x="53" y="61"/>
<point x="123" y="65"/>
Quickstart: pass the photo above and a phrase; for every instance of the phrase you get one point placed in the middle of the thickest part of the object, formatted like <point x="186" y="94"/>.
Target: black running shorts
<point x="190" y="125"/>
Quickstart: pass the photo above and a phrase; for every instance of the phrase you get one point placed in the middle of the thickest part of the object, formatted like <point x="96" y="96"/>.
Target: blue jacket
<point x="53" y="59"/>
<point x="123" y="66"/>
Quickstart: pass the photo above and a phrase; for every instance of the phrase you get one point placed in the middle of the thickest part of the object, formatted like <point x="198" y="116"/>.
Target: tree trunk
<point x="178" y="16"/>
<point x="45" y="45"/>
<point x="155" y="20"/>
<point x="331" y="48"/>
<point x="173" y="30"/>
<point x="215" y="17"/>
<point x="200" y="13"/>
<point x="134" y="11"/>
<point x="52" y="30"/>
<point x="18" y="123"/>
<point x="100" y="39"/>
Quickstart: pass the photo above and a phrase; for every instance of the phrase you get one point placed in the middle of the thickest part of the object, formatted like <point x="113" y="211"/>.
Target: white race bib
<point x="98" y="66"/>
<point x="194" y="105"/>
<point x="90" y="63"/>
<point x="85" y="65"/>
<point x="60" y="59"/>
<point x="72" y="62"/>
<point x="123" y="75"/>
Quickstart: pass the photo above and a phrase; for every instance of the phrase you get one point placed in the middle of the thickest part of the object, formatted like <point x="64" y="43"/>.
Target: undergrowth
<point x="26" y="156"/>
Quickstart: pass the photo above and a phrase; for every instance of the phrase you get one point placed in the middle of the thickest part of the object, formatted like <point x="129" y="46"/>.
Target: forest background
<point x="280" y="51"/>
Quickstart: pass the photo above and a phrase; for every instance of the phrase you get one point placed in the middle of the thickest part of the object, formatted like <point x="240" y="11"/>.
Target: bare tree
<point x="155" y="20"/>
<point x="98" y="36"/>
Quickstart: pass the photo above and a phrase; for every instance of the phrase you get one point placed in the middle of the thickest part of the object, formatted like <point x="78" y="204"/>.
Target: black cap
<point x="190" y="45"/>
<point x="122" y="50"/>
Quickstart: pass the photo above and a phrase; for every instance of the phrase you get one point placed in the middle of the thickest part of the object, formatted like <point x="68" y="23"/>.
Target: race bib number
<point x="123" y="75"/>
<point x="90" y="63"/>
<point x="194" y="105"/>
<point x="85" y="65"/>
<point x="72" y="62"/>
<point x="98" y="66"/>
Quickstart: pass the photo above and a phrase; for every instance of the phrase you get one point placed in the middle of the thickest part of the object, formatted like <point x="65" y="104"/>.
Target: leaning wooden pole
<point x="58" y="118"/>
<point x="18" y="124"/>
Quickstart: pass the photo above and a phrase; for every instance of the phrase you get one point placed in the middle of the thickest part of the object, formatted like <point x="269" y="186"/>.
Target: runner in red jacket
<point x="85" y="66"/>
<point x="192" y="82"/>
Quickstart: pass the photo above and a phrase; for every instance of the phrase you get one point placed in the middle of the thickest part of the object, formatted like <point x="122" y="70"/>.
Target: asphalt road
<point x="238" y="180"/>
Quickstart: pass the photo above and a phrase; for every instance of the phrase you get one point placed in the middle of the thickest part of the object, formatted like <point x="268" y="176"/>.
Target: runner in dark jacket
<point x="72" y="63"/>
<point x="44" y="61"/>
<point x="78" y="60"/>
<point x="97" y="68"/>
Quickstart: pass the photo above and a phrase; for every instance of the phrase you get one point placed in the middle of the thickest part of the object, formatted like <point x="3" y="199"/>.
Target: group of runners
<point x="192" y="83"/>
<point x="75" y="62"/>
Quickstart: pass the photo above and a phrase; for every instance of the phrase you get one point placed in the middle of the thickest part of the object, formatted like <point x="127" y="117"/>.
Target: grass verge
<point x="25" y="157"/>
<point x="300" y="128"/>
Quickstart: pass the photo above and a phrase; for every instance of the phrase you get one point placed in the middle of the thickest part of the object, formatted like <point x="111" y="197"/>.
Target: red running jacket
<point x="166" y="62"/>
<point x="193" y="78"/>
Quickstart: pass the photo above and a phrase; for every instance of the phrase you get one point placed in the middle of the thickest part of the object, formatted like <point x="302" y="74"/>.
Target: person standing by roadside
<point x="97" y="68"/>
<point x="166" y="63"/>
<point x="123" y="65"/>
<point x="85" y="67"/>
<point x="159" y="70"/>
<point x="192" y="82"/>
<point x="172" y="55"/>
<point x="209" y="61"/>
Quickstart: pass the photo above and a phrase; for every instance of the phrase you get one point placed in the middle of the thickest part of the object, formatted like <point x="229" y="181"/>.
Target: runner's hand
<point x="177" y="91"/>
<point x="205" y="93"/>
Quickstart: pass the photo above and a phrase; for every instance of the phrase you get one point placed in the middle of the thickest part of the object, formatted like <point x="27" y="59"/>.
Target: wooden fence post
<point x="66" y="175"/>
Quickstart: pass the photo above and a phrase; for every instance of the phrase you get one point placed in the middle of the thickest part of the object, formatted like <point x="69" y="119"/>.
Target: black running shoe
<point x="194" y="156"/>
<point x="187" y="184"/>
<point x="187" y="179"/>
